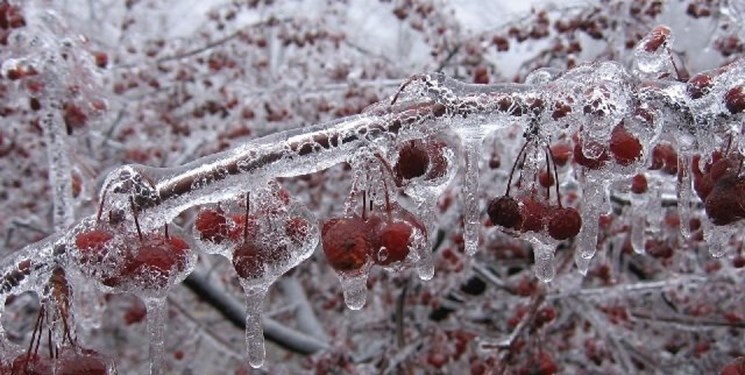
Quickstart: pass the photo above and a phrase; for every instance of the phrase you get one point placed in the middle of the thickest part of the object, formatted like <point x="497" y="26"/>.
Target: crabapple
<point x="212" y="226"/>
<point x="347" y="243"/>
<point x="504" y="211"/>
<point x="624" y="146"/>
<point x="564" y="223"/>
<point x="395" y="241"/>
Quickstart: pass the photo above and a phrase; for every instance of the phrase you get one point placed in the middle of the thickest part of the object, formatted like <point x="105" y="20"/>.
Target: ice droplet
<point x="355" y="290"/>
<point x="255" y="350"/>
<point x="717" y="237"/>
<point x="684" y="190"/>
<point x="543" y="254"/>
<point x="156" y="324"/>
<point x="592" y="203"/>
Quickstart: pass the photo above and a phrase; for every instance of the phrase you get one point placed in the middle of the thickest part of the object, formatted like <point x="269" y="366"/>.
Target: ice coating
<point x="255" y="350"/>
<point x="157" y="313"/>
<point x="598" y="97"/>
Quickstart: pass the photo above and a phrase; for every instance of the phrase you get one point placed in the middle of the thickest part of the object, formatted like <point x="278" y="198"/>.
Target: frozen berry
<point x="656" y="38"/>
<point x="249" y="260"/>
<point x="564" y="223"/>
<point x="561" y="152"/>
<point x="413" y="160"/>
<point x="395" y="242"/>
<point x="624" y="146"/>
<point x="639" y="184"/>
<point x="347" y="243"/>
<point x="665" y="157"/>
<point x="533" y="215"/>
<point x="698" y="85"/>
<point x="86" y="363"/>
<point x="722" y="205"/>
<point x="504" y="211"/>
<point x="734" y="100"/>
<point x="581" y="155"/>
<point x="93" y="245"/>
<point x="212" y="226"/>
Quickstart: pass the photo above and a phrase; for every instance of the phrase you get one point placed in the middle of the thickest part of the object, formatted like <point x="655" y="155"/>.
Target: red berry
<point x="587" y="162"/>
<point x="564" y="223"/>
<point x="657" y="37"/>
<point x="639" y="184"/>
<point x="347" y="243"/>
<point x="87" y="363"/>
<point x="698" y="85"/>
<point x="31" y="365"/>
<point x="734" y="100"/>
<point x="101" y="58"/>
<point x="723" y="203"/>
<point x="624" y="146"/>
<point x="665" y="157"/>
<point x="504" y="211"/>
<point x="413" y="161"/>
<point x="395" y="238"/>
<point x="239" y="232"/>
<point x="546" y="179"/>
<point x="561" y="152"/>
<point x="297" y="229"/>
<point x="533" y="215"/>
<point x="250" y="259"/>
<point x="212" y="226"/>
<point x="92" y="245"/>
<point x="736" y="367"/>
<point x="156" y="258"/>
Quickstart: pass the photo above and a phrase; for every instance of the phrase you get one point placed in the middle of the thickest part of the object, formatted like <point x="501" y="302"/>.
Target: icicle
<point x="638" y="220"/>
<point x="470" y="192"/>
<point x="684" y="189"/>
<point x="355" y="290"/>
<point x="60" y="170"/>
<point x="255" y="350"/>
<point x="156" y="324"/>
<point x="592" y="203"/>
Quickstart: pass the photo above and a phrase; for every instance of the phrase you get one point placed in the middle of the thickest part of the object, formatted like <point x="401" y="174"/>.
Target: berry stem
<point x="514" y="166"/>
<point x="245" y="217"/>
<point x="134" y="213"/>
<point x="556" y="175"/>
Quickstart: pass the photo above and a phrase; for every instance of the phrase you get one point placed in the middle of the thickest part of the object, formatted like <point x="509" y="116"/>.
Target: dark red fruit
<point x="736" y="367"/>
<point x="533" y="215"/>
<point x="698" y="85"/>
<point x="504" y="211"/>
<point x="396" y="238"/>
<point x="413" y="160"/>
<point x="665" y="157"/>
<point x="92" y="245"/>
<point x="546" y="179"/>
<point x="250" y="259"/>
<point x="561" y="152"/>
<point x="587" y="162"/>
<point x="639" y="184"/>
<point x="87" y="363"/>
<point x="347" y="243"/>
<point x="657" y="37"/>
<point x="297" y="229"/>
<point x="31" y="365"/>
<point x="722" y="205"/>
<point x="564" y="223"/>
<point x="624" y="146"/>
<point x="239" y="231"/>
<point x="734" y="100"/>
<point x="212" y="226"/>
<point x="155" y="259"/>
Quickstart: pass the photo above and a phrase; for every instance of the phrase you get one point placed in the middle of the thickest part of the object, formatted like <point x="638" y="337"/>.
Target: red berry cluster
<point x="531" y="214"/>
<point x="257" y="253"/>
<point x="351" y="243"/>
<point x="721" y="186"/>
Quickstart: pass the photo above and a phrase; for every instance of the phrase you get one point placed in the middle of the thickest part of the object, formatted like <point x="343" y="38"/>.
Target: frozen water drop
<point x="156" y="324"/>
<point x="426" y="267"/>
<point x="583" y="264"/>
<point x="717" y="237"/>
<point x="355" y="290"/>
<point x="543" y="254"/>
<point x="638" y="221"/>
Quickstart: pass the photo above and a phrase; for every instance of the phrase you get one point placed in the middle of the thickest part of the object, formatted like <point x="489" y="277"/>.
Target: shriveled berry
<point x="504" y="211"/>
<point x="395" y="242"/>
<point x="86" y="363"/>
<point x="624" y="146"/>
<point x="564" y="223"/>
<point x="347" y="244"/>
<point x="212" y="226"/>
